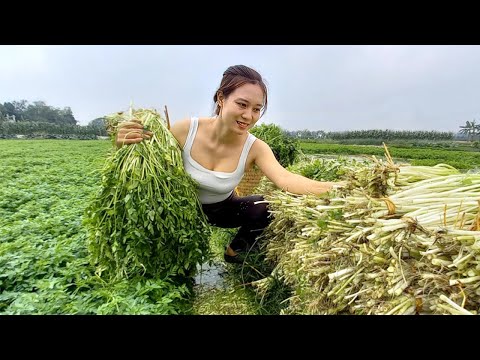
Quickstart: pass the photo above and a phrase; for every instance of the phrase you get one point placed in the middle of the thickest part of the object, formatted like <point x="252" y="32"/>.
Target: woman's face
<point x="242" y="109"/>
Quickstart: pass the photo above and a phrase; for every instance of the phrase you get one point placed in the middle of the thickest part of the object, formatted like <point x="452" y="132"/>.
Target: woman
<point x="217" y="150"/>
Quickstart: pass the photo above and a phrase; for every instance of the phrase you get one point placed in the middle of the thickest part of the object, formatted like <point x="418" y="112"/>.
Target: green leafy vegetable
<point x="146" y="219"/>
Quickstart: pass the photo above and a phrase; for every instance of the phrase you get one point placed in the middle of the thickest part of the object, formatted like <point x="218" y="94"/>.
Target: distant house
<point x="11" y="118"/>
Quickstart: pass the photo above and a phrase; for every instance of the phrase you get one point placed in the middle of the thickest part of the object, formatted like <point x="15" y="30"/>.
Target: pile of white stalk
<point x="399" y="240"/>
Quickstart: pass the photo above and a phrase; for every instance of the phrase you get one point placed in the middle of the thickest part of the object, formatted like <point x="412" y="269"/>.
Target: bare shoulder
<point x="181" y="125"/>
<point x="180" y="129"/>
<point x="260" y="152"/>
<point x="204" y="119"/>
<point x="260" y="147"/>
<point x="264" y="158"/>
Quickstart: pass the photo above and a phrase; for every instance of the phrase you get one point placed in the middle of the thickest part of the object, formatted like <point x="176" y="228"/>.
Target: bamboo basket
<point x="249" y="182"/>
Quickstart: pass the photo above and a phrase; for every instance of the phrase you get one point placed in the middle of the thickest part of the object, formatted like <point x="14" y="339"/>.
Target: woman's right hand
<point x="131" y="132"/>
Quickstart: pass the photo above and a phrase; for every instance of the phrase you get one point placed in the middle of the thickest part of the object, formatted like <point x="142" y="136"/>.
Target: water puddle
<point x="211" y="276"/>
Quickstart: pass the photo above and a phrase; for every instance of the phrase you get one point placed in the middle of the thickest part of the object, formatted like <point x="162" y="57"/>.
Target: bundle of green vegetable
<point x="146" y="219"/>
<point x="414" y="249"/>
<point x="285" y="148"/>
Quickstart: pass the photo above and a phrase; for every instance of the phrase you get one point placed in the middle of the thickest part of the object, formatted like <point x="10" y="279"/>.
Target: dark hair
<point x="236" y="76"/>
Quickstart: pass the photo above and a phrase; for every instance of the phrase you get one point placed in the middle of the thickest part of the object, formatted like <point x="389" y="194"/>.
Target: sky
<point x="314" y="87"/>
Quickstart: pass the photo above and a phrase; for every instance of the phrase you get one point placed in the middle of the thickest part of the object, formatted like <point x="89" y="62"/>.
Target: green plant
<point x="147" y="219"/>
<point x="285" y="148"/>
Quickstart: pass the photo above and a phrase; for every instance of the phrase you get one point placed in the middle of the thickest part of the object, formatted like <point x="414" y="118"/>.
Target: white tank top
<point x="214" y="186"/>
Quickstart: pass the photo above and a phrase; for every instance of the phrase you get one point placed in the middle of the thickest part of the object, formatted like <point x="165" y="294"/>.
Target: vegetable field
<point x="463" y="160"/>
<point x="354" y="253"/>
<point x="44" y="267"/>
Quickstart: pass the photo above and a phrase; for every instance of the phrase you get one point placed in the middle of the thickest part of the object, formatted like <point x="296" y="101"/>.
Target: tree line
<point x="373" y="134"/>
<point x="39" y="120"/>
<point x="38" y="111"/>
<point x="470" y="131"/>
<point x="45" y="119"/>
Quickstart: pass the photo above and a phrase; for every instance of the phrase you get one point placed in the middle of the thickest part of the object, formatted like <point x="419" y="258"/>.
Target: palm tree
<point x="470" y="129"/>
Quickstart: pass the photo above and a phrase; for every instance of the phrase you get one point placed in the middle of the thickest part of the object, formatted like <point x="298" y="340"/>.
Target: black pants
<point x="240" y="212"/>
